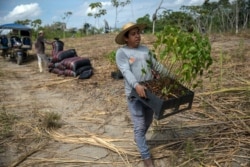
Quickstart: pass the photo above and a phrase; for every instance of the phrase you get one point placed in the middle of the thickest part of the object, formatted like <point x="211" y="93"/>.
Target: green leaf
<point x="143" y="70"/>
<point x="186" y="55"/>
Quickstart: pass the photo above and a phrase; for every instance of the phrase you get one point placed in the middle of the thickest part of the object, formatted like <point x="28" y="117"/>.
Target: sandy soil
<point x="96" y="128"/>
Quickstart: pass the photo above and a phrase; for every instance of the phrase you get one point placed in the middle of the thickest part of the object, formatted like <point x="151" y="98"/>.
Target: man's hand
<point x="140" y="89"/>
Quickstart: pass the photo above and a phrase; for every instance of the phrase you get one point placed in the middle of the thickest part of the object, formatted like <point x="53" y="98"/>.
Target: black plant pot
<point x="165" y="108"/>
<point x="117" y="74"/>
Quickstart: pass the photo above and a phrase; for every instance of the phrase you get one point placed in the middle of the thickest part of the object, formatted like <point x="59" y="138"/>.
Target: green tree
<point x="221" y="16"/>
<point x="197" y="13"/>
<point x="36" y="23"/>
<point x="244" y="13"/>
<point x="155" y="16"/>
<point x="145" y="20"/>
<point x="209" y="12"/>
<point x="117" y="4"/>
<point x="100" y="11"/>
<point x="23" y="22"/>
<point x="86" y="27"/>
<point x="177" y="18"/>
<point x="65" y="18"/>
<point x="224" y="3"/>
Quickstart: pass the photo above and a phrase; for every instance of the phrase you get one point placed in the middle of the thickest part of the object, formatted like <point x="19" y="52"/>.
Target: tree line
<point x="210" y="16"/>
<point x="213" y="17"/>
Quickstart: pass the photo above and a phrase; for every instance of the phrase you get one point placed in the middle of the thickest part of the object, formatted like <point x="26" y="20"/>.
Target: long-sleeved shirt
<point x="39" y="45"/>
<point x="134" y="65"/>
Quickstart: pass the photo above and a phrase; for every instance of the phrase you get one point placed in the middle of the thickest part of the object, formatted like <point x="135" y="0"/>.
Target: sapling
<point x="185" y="55"/>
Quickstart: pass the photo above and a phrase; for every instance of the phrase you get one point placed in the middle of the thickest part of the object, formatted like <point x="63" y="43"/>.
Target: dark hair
<point x="126" y="34"/>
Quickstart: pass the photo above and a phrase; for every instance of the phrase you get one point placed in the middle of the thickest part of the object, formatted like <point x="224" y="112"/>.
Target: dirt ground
<point x="96" y="127"/>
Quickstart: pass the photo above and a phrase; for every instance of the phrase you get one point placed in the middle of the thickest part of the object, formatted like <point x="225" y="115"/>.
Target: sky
<point x="51" y="11"/>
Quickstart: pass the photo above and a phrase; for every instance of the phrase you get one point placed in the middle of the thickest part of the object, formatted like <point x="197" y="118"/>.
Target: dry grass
<point x="216" y="132"/>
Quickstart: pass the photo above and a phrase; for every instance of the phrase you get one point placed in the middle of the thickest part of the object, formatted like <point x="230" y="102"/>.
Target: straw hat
<point x="40" y="32"/>
<point x="119" y="39"/>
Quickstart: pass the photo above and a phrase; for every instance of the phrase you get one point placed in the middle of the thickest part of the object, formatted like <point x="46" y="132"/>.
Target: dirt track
<point x="96" y="124"/>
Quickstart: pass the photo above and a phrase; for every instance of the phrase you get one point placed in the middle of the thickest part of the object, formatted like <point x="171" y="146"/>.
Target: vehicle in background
<point x="15" y="41"/>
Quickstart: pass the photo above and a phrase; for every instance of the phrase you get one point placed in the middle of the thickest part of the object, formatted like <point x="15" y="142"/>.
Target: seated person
<point x="4" y="42"/>
<point x="15" y="41"/>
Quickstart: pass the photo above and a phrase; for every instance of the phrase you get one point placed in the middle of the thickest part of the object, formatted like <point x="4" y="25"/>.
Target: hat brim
<point x="120" y="37"/>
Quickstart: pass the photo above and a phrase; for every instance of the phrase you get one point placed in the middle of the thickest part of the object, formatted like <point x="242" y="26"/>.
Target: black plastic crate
<point x="164" y="108"/>
<point x="117" y="75"/>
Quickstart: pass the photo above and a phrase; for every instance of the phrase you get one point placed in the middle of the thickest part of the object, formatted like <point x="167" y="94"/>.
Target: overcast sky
<point x="50" y="11"/>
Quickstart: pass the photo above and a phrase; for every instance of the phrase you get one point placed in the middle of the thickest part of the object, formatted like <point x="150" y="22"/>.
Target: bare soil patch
<point x="96" y="127"/>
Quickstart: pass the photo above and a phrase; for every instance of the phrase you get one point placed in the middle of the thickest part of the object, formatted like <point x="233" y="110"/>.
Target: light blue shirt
<point x="134" y="65"/>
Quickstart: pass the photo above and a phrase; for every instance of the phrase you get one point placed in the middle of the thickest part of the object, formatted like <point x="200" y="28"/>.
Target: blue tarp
<point x="14" y="26"/>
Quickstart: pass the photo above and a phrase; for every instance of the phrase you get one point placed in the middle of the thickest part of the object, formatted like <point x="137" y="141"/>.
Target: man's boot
<point x="148" y="162"/>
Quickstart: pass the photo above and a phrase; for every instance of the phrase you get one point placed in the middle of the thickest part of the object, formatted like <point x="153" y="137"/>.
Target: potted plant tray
<point x="166" y="106"/>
